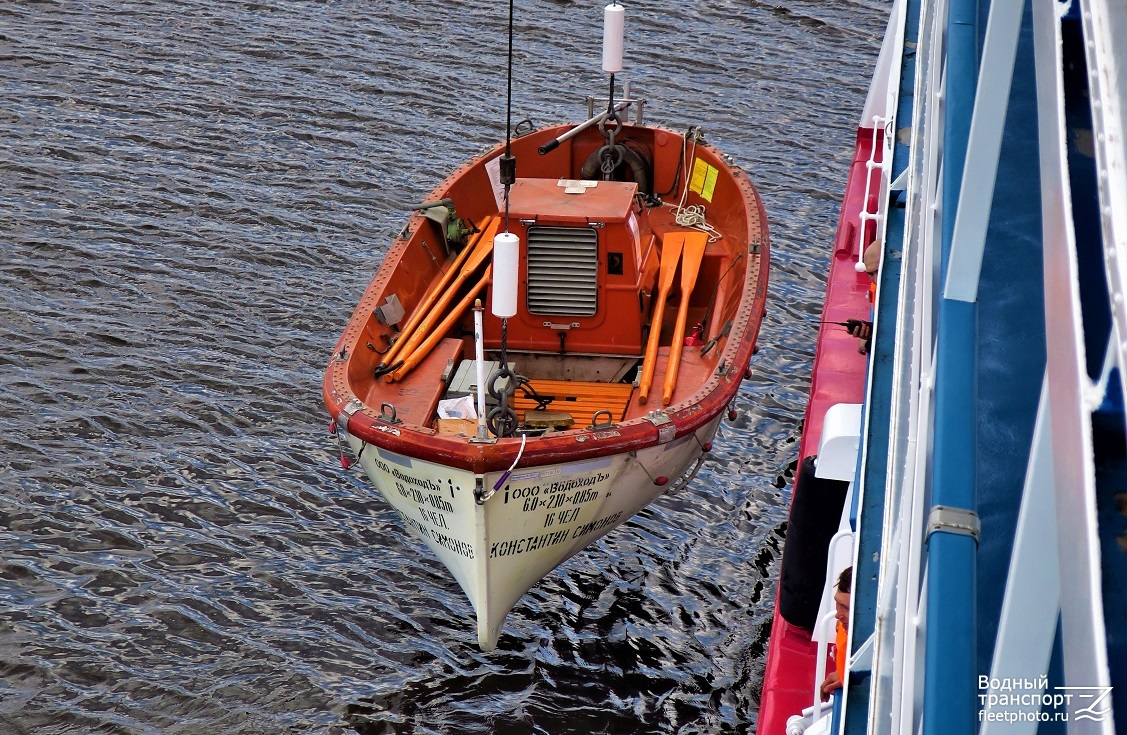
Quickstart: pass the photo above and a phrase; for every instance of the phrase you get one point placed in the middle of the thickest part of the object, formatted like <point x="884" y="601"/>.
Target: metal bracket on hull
<point x="665" y="428"/>
<point x="480" y="493"/>
<point x="686" y="479"/>
<point x="346" y="412"/>
<point x="953" y="520"/>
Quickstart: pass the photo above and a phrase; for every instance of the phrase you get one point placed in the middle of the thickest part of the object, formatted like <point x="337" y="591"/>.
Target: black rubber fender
<point x="640" y="168"/>
<point x="815" y="513"/>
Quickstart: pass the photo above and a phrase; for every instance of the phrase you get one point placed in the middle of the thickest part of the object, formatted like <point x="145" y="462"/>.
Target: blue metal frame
<point x="950" y="703"/>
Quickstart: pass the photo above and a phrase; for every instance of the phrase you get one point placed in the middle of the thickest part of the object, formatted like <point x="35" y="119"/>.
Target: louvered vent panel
<point x="563" y="271"/>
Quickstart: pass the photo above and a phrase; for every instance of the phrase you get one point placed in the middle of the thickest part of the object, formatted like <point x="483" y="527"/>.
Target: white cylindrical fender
<point x="613" y="26"/>
<point x="506" y="265"/>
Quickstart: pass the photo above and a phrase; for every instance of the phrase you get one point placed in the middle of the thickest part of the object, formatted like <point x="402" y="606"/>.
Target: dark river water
<point x="193" y="195"/>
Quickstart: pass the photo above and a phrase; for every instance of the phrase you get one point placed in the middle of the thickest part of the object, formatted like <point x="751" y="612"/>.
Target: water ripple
<point x="195" y="194"/>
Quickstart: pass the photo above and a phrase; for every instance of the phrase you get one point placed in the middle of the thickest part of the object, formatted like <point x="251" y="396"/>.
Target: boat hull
<point x="500" y="533"/>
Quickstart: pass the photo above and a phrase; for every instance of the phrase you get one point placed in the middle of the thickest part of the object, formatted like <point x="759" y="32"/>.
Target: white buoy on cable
<point x="613" y="24"/>
<point x="506" y="262"/>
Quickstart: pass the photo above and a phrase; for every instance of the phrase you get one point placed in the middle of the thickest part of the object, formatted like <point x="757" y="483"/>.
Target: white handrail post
<point x="820" y="664"/>
<point x="865" y="215"/>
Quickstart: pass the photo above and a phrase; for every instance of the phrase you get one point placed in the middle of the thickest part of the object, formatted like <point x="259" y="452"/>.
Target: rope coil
<point x="694" y="215"/>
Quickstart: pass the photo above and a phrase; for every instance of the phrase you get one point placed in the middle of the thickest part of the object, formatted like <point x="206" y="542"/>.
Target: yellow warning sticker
<point x="703" y="181"/>
<point x="709" y="183"/>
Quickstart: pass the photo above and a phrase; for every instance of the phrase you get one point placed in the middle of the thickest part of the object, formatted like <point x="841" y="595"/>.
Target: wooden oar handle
<point x="407" y="335"/>
<point x="649" y="360"/>
<point x="420" y="352"/>
<point x="673" y="367"/>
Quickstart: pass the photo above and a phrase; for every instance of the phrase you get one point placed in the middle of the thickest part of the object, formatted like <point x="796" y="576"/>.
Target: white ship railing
<point x="1072" y="397"/>
<point x="826" y="626"/>
<point x="1105" y="28"/>
<point x="877" y="124"/>
<point x="896" y="700"/>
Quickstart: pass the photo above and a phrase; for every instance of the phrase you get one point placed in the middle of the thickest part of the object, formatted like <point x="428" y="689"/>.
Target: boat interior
<point x="624" y="298"/>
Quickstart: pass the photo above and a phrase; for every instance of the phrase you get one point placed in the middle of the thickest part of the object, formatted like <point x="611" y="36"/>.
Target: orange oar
<point x="695" y="243"/>
<point x="670" y="256"/>
<point x="439" y="288"/>
<point x="448" y="292"/>
<point x="440" y="331"/>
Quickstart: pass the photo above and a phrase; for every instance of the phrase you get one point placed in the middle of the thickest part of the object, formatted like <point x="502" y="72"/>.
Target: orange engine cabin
<point x="583" y="269"/>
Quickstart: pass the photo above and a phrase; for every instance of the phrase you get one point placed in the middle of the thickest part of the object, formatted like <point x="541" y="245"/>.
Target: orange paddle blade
<point x="670" y="256"/>
<point x="695" y="243"/>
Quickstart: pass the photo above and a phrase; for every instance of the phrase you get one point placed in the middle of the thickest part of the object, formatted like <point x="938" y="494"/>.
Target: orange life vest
<point x="842" y="653"/>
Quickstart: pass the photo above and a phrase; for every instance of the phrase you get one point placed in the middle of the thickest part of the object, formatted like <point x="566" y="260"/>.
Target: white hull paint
<point x="539" y="517"/>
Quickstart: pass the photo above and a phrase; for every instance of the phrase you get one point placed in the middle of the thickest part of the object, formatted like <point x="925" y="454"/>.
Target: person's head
<point x="871" y="258"/>
<point x="841" y="595"/>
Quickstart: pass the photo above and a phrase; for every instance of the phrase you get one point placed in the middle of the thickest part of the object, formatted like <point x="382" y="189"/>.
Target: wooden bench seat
<point x="581" y="400"/>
